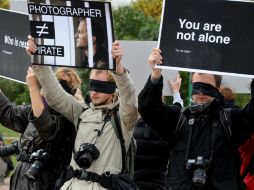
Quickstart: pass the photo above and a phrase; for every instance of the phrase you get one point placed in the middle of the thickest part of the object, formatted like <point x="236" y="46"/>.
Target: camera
<point x="86" y="154"/>
<point x="39" y="159"/>
<point x="199" y="166"/>
<point x="9" y="149"/>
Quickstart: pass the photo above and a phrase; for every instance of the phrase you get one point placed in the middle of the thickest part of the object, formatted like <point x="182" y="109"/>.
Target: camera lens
<point x="86" y="155"/>
<point x="85" y="160"/>
<point x="199" y="177"/>
<point x="33" y="173"/>
<point x="9" y="149"/>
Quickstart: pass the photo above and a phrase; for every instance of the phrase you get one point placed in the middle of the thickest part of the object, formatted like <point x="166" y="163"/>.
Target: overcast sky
<point x="120" y="2"/>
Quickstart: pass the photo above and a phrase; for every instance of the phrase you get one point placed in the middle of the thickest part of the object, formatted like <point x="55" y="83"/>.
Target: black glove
<point x="252" y="87"/>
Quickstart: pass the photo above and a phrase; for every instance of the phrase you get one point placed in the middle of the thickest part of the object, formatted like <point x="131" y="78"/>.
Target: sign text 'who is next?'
<point x="13" y="37"/>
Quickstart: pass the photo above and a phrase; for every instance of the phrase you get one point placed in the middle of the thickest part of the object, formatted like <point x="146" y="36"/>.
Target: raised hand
<point x="176" y="85"/>
<point x="117" y="53"/>
<point x="31" y="47"/>
<point x="153" y="59"/>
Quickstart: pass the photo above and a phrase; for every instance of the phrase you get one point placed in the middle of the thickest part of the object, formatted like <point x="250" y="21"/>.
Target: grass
<point x="5" y="132"/>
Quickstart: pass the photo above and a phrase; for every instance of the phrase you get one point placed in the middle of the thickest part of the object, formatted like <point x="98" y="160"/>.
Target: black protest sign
<point x="72" y="33"/>
<point x="208" y="36"/>
<point x="14" y="30"/>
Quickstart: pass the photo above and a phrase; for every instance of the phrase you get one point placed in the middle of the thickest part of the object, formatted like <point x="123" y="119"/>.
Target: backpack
<point x="129" y="155"/>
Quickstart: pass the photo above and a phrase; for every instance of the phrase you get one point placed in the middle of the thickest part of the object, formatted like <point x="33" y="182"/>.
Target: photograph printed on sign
<point x="72" y="33"/>
<point x="208" y="36"/>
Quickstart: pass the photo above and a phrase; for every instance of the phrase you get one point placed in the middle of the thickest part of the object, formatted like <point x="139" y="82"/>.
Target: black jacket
<point x="50" y="129"/>
<point x="151" y="158"/>
<point x="207" y="128"/>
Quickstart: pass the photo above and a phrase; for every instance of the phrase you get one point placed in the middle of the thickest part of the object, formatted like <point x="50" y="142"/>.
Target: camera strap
<point x="106" y="119"/>
<point x="191" y="123"/>
<point x="115" y="121"/>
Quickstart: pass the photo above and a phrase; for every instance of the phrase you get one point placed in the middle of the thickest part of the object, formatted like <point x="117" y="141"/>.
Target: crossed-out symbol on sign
<point x="40" y="32"/>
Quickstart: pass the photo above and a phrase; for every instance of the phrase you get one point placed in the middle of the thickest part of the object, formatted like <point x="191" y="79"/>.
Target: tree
<point x="132" y="24"/>
<point x="84" y="75"/>
<point x="4" y="4"/>
<point x="149" y="7"/>
<point x="15" y="91"/>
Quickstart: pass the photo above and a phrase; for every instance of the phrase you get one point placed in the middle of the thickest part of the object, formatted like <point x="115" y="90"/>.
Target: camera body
<point x="9" y="149"/>
<point x="199" y="166"/>
<point x="86" y="154"/>
<point x="39" y="159"/>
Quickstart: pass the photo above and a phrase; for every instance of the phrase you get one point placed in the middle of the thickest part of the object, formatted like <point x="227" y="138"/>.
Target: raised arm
<point x="153" y="59"/>
<point x="34" y="91"/>
<point x="55" y="95"/>
<point x="127" y="110"/>
<point x="175" y="86"/>
<point x="243" y="119"/>
<point x="155" y="113"/>
<point x="12" y="116"/>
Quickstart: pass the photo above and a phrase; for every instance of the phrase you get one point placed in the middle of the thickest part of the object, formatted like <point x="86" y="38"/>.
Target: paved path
<point x="5" y="185"/>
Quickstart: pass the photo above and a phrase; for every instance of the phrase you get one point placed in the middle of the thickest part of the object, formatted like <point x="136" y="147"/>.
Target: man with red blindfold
<point x="97" y="150"/>
<point x="203" y="143"/>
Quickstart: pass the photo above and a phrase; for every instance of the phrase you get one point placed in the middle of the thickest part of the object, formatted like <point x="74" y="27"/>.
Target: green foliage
<point x="242" y="99"/>
<point x="149" y="7"/>
<point x="15" y="91"/>
<point x="185" y="88"/>
<point x="4" y="4"/>
<point x="132" y="24"/>
<point x="84" y="75"/>
<point x="5" y="132"/>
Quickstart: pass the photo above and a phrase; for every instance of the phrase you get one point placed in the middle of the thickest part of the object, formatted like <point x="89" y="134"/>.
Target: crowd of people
<point x="69" y="142"/>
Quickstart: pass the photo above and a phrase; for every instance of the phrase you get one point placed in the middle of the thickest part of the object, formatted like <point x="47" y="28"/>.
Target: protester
<point x="45" y="146"/>
<point x="73" y="80"/>
<point x="229" y="102"/>
<point x="202" y="145"/>
<point x="96" y="136"/>
<point x="229" y="97"/>
<point x="246" y="150"/>
<point x="153" y="152"/>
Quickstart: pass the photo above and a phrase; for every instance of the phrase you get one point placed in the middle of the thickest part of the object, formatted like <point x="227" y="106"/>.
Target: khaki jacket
<point x="91" y="120"/>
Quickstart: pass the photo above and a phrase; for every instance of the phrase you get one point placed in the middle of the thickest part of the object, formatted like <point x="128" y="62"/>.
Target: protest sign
<point x="208" y="36"/>
<point x="72" y="33"/>
<point x="13" y="36"/>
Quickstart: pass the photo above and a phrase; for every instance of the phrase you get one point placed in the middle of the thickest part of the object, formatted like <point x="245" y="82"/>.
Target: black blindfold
<point x="205" y="88"/>
<point x="102" y="86"/>
<point x="67" y="88"/>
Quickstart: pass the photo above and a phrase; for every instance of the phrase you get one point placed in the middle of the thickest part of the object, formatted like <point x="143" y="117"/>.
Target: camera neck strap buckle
<point x="88" y="176"/>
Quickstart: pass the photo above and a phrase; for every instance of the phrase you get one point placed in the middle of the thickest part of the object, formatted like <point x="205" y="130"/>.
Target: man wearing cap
<point x="203" y="141"/>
